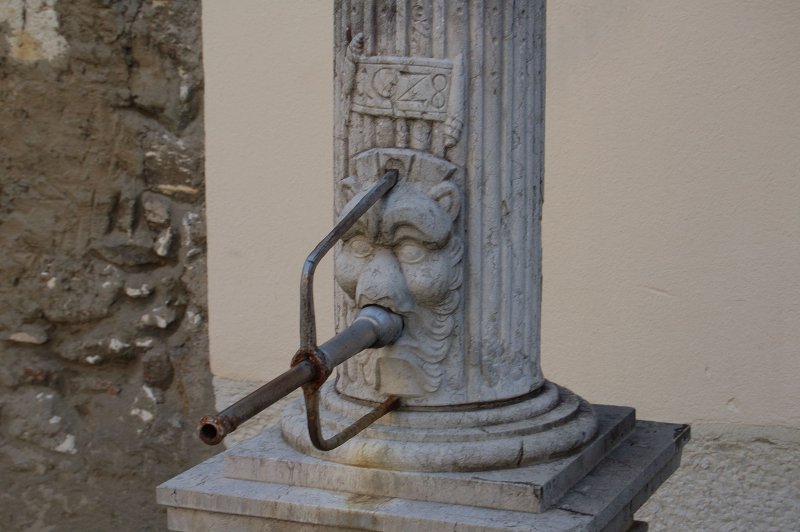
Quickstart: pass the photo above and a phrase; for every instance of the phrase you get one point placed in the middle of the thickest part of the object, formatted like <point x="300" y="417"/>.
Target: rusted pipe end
<point x="213" y="429"/>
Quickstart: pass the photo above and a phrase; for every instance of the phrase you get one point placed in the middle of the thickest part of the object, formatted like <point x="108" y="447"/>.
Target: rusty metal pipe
<point x="213" y="429"/>
<point x="373" y="327"/>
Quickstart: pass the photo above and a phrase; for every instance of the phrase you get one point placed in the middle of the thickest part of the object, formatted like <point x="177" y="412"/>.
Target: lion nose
<point x="382" y="283"/>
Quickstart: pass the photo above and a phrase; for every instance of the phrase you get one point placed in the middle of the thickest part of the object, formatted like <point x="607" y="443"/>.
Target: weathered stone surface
<point x="136" y="250"/>
<point x="193" y="234"/>
<point x="157" y="368"/>
<point x="163" y="243"/>
<point x="604" y="500"/>
<point x="160" y="317"/>
<point x="30" y="334"/>
<point x="169" y="161"/>
<point x="537" y="428"/>
<point x="41" y="418"/>
<point x="533" y="488"/>
<point x="77" y="291"/>
<point x="94" y="411"/>
<point x="97" y="346"/>
<point x="156" y="209"/>
<point x="138" y="287"/>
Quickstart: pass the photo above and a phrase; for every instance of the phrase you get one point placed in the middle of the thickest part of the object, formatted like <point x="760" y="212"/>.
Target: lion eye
<point x="359" y="247"/>
<point x="410" y="252"/>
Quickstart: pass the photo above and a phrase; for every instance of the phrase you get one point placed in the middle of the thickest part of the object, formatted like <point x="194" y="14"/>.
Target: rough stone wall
<point x="732" y="478"/>
<point x="103" y="342"/>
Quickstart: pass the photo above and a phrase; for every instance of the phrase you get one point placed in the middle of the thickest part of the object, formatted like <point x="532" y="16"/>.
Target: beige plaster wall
<point x="270" y="198"/>
<point x="672" y="212"/>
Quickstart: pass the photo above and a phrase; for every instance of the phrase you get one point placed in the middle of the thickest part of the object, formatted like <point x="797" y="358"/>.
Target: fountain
<point x="439" y="416"/>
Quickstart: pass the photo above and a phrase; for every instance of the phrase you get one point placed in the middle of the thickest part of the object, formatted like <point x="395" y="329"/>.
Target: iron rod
<point x="213" y="429"/>
<point x="308" y="327"/>
<point x="373" y="327"/>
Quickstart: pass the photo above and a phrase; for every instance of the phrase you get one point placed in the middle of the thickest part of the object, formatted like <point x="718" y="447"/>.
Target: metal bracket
<point x="309" y="350"/>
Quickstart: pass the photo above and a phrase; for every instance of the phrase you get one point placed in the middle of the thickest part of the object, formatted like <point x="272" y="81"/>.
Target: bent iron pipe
<point x="374" y="327"/>
<point x="311" y="365"/>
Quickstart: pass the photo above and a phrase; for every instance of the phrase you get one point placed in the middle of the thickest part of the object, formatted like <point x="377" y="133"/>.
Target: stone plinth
<point x="209" y="497"/>
<point x="532" y="488"/>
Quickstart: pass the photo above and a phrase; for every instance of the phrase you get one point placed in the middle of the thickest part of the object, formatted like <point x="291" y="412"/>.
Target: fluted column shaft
<point x="451" y="93"/>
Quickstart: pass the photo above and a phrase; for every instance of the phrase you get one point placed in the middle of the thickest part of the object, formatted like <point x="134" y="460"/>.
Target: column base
<point x="304" y="493"/>
<point x="531" y="488"/>
<point x="547" y="424"/>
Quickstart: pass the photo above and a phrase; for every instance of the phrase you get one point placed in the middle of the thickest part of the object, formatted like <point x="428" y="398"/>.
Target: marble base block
<point x="305" y="493"/>
<point x="532" y="488"/>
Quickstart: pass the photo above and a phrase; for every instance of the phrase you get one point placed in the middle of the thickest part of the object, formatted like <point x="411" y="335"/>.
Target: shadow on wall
<point x="104" y="350"/>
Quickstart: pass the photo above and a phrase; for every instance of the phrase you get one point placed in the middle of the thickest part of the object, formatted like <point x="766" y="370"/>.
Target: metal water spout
<point x="373" y="328"/>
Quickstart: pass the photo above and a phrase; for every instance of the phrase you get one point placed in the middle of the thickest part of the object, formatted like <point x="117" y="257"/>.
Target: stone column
<point x="450" y="93"/>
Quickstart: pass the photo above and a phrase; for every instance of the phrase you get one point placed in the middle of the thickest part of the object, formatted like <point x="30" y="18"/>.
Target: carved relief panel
<point x="405" y="254"/>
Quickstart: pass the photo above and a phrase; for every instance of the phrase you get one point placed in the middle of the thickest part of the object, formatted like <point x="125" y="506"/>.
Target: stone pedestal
<point x="265" y="485"/>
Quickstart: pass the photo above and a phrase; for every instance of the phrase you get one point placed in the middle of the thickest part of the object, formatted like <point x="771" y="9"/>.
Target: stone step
<point x="604" y="500"/>
<point x="533" y="488"/>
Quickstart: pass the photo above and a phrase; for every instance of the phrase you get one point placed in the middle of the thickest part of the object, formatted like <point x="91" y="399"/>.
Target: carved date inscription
<point x="403" y="87"/>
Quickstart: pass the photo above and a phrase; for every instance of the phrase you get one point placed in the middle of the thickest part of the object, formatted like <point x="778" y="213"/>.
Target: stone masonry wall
<point x="103" y="342"/>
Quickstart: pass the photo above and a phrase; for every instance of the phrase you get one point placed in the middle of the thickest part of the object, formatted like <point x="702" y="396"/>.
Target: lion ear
<point x="345" y="191"/>
<point x="447" y="196"/>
